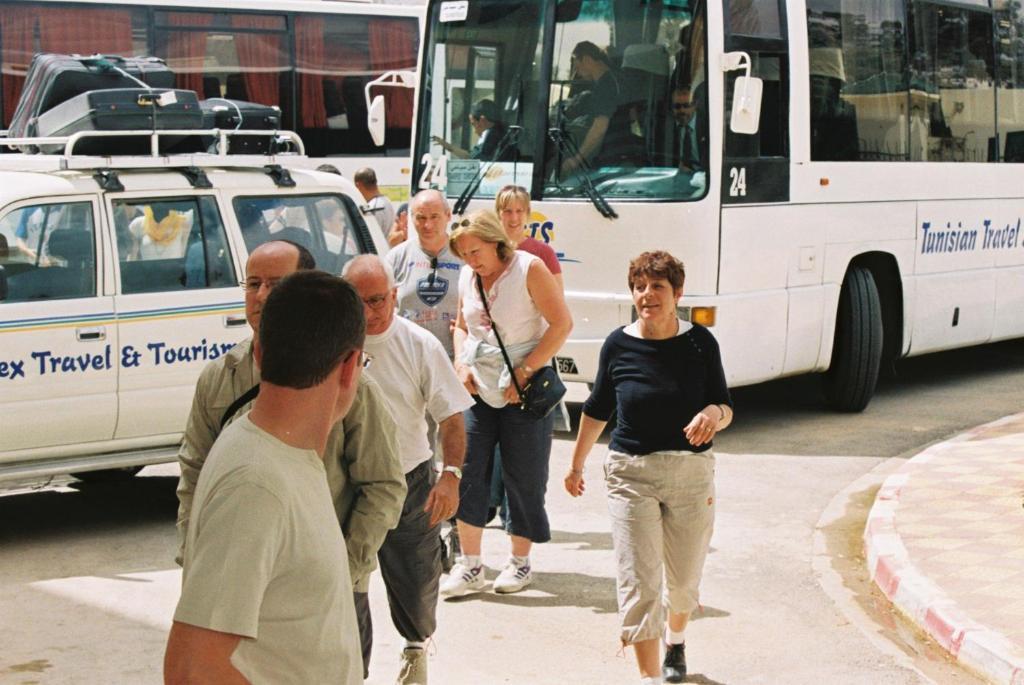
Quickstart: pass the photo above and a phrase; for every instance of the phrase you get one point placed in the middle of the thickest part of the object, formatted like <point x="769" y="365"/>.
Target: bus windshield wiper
<point x="510" y="139"/>
<point x="569" y="150"/>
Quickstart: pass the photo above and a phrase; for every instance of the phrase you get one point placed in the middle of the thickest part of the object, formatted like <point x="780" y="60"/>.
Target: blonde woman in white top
<point x="527" y="307"/>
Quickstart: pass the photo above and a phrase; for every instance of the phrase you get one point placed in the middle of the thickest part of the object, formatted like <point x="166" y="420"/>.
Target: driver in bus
<point x="485" y="119"/>
<point x="590" y="63"/>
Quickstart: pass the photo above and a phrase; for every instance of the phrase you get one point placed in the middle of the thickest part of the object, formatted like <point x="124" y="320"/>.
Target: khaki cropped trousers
<point x="662" y="508"/>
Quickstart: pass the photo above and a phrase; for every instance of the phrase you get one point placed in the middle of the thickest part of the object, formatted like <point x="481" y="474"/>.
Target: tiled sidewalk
<point x="945" y="542"/>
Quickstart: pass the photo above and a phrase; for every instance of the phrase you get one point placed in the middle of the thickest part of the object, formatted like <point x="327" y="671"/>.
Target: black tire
<point x="857" y="351"/>
<point x="108" y="475"/>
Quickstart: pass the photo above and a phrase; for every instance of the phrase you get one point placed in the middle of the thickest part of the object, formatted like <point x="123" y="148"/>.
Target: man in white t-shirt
<point x="266" y="594"/>
<point x="417" y="380"/>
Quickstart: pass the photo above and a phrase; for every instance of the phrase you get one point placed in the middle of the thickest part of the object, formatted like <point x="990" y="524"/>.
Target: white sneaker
<point x="463" y="579"/>
<point x="513" y="578"/>
<point x="414" y="667"/>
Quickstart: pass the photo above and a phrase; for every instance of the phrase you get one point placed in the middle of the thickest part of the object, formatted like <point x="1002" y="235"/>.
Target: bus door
<point x="755" y="167"/>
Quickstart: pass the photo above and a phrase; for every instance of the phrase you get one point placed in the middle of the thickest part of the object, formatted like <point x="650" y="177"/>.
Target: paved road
<point x="87" y="584"/>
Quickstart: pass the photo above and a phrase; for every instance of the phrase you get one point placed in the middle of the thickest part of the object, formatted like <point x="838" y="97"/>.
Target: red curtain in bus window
<point x="85" y="31"/>
<point x="186" y="49"/>
<point x="259" y="56"/>
<point x="17" y="26"/>
<point x="393" y="46"/>
<point x="309" y="62"/>
<point x="65" y="30"/>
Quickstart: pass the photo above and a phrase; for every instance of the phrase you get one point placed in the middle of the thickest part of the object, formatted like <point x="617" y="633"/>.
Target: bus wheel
<point x="107" y="475"/>
<point x="857" y="351"/>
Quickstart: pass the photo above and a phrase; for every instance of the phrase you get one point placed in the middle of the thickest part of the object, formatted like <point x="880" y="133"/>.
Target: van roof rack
<point x="155" y="159"/>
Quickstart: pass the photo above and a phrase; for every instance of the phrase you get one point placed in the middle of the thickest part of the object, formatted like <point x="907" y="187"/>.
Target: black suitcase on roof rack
<point x="53" y="79"/>
<point x="123" y="109"/>
<point x="231" y="115"/>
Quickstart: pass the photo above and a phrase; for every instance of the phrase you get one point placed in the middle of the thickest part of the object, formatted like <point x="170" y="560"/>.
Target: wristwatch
<point x="453" y="469"/>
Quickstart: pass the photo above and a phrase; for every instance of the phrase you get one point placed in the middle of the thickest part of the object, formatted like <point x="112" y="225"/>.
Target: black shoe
<point x="673" y="668"/>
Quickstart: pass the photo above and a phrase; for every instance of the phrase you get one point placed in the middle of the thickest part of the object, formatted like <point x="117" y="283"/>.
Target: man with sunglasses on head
<point x="364" y="473"/>
<point x="426" y="271"/>
<point x="411" y="367"/>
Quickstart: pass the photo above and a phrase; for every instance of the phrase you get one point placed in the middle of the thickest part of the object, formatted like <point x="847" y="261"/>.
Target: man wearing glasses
<point x="364" y="473"/>
<point x="418" y="381"/>
<point x="425" y="269"/>
<point x="692" y="132"/>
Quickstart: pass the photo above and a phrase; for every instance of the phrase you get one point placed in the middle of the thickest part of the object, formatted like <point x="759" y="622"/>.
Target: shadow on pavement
<point x="589" y="542"/>
<point x="559" y="590"/>
<point x="87" y="508"/>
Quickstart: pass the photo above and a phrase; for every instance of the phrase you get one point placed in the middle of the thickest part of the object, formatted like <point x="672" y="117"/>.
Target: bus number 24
<point x="435" y="174"/>
<point x="738" y="182"/>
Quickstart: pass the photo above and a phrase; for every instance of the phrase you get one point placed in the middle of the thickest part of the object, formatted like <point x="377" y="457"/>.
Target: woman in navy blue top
<point x="663" y="378"/>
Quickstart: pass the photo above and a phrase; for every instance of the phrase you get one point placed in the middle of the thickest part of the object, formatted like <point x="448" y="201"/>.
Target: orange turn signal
<point x="705" y="316"/>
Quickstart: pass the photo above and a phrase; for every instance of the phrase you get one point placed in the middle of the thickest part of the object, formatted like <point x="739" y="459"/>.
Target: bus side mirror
<point x="746" y="105"/>
<point x="746" y="94"/>
<point x="375" y="120"/>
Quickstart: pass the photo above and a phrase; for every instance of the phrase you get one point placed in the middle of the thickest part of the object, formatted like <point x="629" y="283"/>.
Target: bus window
<point x="754" y="18"/>
<point x="858" y="88"/>
<point x="28" y="28"/>
<point x="336" y="56"/>
<point x="952" y="85"/>
<point x="480" y="103"/>
<point x="236" y="56"/>
<point x="1010" y="105"/>
<point x="629" y="102"/>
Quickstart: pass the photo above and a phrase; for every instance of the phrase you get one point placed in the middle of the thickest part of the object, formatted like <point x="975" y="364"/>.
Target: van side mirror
<point x="375" y="120"/>
<point x="746" y="94"/>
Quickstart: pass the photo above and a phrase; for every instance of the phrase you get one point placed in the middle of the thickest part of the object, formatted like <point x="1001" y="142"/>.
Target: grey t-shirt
<point x="383" y="211"/>
<point x="265" y="559"/>
<point x="427" y="296"/>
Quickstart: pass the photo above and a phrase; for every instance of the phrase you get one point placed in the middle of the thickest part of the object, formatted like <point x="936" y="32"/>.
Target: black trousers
<point x="410" y="560"/>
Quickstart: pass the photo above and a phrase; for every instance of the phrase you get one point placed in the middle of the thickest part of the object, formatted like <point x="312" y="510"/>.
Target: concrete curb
<point x="978" y="648"/>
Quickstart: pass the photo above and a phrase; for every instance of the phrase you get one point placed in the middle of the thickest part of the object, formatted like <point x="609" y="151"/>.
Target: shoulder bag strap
<point x="247" y="397"/>
<point x="494" y="327"/>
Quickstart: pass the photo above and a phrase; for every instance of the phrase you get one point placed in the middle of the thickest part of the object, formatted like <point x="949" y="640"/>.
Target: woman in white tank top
<point x="528" y="309"/>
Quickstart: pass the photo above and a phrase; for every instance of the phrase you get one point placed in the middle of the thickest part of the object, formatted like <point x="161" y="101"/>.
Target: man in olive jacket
<point x="364" y="474"/>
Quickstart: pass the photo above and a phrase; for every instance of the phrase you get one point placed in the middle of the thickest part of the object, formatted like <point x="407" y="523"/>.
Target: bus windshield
<point x="562" y="96"/>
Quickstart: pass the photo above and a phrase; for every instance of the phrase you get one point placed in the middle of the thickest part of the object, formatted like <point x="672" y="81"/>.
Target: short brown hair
<point x="657" y="264"/>
<point x="485" y="226"/>
<point x="510" y="194"/>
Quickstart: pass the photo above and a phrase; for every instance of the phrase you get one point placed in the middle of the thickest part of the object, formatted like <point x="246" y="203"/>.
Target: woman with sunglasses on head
<point x="524" y="306"/>
<point x="512" y="204"/>
<point x="664" y="377"/>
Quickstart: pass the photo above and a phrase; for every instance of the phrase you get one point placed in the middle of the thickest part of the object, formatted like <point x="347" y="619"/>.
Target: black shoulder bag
<point x="544" y="390"/>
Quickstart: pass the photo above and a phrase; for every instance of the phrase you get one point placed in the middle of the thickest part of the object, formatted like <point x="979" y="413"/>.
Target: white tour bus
<point x="861" y="202"/>
<point x="311" y="59"/>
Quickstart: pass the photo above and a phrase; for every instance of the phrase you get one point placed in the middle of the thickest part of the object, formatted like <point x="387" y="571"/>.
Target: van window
<point x="171" y="244"/>
<point x="329" y="226"/>
<point x="47" y="252"/>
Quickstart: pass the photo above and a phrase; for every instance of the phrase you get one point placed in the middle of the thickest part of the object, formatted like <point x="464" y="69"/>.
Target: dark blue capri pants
<point x="525" y="452"/>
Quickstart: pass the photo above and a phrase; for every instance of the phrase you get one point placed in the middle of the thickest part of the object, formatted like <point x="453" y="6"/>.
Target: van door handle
<point x="234" y="320"/>
<point x="91" y="334"/>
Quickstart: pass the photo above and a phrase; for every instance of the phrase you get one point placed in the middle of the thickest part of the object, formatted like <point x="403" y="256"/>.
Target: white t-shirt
<point x="265" y="559"/>
<point x="413" y="370"/>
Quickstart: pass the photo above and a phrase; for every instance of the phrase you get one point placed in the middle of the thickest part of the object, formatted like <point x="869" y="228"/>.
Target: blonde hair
<point x="485" y="226"/>
<point x="510" y="194"/>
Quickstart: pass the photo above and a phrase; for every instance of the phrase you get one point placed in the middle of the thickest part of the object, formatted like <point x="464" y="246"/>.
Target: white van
<point x="119" y="281"/>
